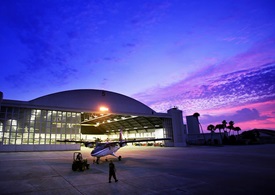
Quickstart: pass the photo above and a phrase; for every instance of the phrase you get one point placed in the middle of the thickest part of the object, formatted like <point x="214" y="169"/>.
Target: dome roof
<point x="90" y="100"/>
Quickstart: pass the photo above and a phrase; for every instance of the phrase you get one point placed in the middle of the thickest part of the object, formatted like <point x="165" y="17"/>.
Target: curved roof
<point x="90" y="100"/>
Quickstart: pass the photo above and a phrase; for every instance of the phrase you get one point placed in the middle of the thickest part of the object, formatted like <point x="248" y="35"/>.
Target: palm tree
<point x="231" y="126"/>
<point x="225" y="135"/>
<point x="224" y="123"/>
<point x="212" y="129"/>
<point x="237" y="129"/>
<point x="220" y="127"/>
<point x="196" y="115"/>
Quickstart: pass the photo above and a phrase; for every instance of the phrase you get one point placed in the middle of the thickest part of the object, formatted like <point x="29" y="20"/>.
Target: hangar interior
<point x="108" y="126"/>
<point x="39" y="123"/>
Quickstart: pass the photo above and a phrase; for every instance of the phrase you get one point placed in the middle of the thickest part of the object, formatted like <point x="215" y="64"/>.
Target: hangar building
<point x="83" y="114"/>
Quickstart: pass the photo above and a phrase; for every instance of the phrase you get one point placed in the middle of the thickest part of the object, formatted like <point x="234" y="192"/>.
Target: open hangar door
<point x="109" y="125"/>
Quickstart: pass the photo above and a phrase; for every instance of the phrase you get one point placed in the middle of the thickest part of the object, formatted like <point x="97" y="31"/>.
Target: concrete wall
<point x="199" y="139"/>
<point x="192" y="125"/>
<point x="178" y="127"/>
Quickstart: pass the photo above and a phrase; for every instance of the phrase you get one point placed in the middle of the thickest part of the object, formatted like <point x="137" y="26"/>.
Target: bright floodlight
<point x="103" y="109"/>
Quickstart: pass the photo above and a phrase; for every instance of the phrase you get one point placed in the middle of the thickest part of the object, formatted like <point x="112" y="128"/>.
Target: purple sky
<point x="212" y="57"/>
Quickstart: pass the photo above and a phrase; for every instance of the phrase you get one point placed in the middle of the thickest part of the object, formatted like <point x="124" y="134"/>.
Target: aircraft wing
<point x="92" y="144"/>
<point x="86" y="143"/>
<point x="144" y="140"/>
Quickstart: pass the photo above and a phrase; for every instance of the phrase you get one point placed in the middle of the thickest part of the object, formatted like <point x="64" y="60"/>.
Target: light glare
<point x="103" y="109"/>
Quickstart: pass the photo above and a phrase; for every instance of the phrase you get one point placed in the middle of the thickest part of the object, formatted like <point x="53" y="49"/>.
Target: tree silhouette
<point x="237" y="129"/>
<point x="230" y="126"/>
<point x="224" y="123"/>
<point x="226" y="138"/>
<point x="220" y="127"/>
<point x="212" y="129"/>
<point x="196" y="115"/>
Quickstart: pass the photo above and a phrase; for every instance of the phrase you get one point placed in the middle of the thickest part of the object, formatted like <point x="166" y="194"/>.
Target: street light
<point x="103" y="109"/>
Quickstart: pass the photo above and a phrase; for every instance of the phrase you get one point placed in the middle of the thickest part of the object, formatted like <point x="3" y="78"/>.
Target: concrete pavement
<point x="144" y="170"/>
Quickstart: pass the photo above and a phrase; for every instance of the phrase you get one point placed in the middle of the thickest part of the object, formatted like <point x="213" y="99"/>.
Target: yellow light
<point x="103" y="109"/>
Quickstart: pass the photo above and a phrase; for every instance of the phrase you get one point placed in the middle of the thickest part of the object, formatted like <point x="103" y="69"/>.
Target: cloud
<point x="129" y="45"/>
<point x="236" y="39"/>
<point x="241" y="82"/>
<point x="48" y="38"/>
<point x="245" y="78"/>
<point x="247" y="114"/>
<point x="239" y="116"/>
<point x="233" y="89"/>
<point x="244" y="86"/>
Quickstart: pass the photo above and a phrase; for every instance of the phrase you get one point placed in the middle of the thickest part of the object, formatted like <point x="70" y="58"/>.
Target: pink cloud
<point x="259" y="54"/>
<point x="261" y="115"/>
<point x="238" y="87"/>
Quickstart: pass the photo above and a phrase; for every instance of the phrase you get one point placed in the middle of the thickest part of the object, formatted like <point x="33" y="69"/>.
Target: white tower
<point x="192" y="125"/>
<point x="179" y="133"/>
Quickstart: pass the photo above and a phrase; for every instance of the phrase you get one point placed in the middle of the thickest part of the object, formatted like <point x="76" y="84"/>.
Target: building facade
<point x="76" y="114"/>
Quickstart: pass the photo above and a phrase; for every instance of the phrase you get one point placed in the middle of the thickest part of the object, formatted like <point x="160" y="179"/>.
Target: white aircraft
<point x="110" y="148"/>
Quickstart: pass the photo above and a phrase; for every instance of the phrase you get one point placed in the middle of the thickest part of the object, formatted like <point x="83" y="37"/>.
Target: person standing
<point x="112" y="171"/>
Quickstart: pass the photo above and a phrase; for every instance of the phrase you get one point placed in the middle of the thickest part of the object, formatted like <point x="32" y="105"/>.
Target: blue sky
<point x="212" y="57"/>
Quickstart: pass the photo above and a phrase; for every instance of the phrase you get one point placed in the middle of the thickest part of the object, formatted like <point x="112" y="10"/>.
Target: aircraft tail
<point x="121" y="141"/>
<point x="120" y="136"/>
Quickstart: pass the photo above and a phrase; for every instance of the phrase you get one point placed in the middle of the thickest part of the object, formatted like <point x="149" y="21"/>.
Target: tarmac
<point x="248" y="169"/>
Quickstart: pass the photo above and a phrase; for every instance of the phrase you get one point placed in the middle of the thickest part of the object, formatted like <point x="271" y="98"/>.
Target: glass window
<point x="35" y="126"/>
